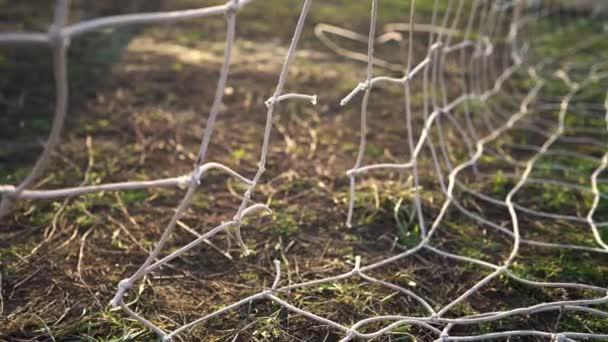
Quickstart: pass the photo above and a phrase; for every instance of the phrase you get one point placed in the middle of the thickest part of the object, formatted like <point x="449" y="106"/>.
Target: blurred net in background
<point x="482" y="97"/>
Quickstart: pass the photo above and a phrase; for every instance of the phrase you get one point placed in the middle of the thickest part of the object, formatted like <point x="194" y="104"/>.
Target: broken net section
<point x="484" y="43"/>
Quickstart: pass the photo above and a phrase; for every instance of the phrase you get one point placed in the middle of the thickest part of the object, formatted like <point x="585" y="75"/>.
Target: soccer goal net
<point x="504" y="148"/>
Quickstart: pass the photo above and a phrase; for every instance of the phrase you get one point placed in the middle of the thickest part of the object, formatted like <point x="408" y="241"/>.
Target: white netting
<point x="483" y="39"/>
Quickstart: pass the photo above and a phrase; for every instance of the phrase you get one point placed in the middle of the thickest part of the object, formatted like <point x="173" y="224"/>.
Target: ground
<point x="139" y="100"/>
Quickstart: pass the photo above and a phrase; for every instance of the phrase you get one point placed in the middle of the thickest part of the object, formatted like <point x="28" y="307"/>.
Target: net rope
<point x="486" y="38"/>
